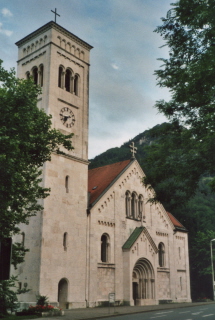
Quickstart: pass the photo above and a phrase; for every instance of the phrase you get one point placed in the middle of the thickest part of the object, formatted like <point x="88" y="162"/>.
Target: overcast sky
<point x="123" y="88"/>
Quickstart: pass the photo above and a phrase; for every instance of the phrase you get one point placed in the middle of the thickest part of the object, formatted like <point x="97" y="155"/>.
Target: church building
<point x="97" y="234"/>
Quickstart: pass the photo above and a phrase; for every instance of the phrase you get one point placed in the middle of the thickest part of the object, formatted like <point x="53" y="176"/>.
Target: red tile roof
<point x="99" y="179"/>
<point x="176" y="223"/>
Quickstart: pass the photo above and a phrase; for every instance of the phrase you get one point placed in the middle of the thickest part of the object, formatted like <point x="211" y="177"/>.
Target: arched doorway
<point x="143" y="282"/>
<point x="63" y="293"/>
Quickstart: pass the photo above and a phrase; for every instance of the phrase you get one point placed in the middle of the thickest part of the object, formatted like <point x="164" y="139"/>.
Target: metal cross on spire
<point x="56" y="14"/>
<point x="133" y="149"/>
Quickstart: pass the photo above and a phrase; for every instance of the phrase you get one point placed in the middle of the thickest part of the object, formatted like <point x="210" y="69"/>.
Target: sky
<point x="123" y="88"/>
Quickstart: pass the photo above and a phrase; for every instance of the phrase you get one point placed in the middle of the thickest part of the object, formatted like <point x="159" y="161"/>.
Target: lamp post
<point x="212" y="266"/>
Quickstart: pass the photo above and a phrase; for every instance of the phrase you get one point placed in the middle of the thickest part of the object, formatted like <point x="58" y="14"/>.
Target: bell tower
<point x="58" y="61"/>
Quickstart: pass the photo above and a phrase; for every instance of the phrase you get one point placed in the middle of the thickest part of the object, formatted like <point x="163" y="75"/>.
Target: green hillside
<point x="117" y="154"/>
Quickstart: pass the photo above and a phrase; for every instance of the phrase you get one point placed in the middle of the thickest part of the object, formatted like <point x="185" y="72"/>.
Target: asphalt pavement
<point x="98" y="313"/>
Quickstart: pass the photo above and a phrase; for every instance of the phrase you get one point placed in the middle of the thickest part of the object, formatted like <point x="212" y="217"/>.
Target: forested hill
<point x="117" y="154"/>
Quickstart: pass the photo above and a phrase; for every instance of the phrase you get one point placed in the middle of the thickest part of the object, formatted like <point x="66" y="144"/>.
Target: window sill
<point x="106" y="265"/>
<point x="163" y="269"/>
<point x="134" y="219"/>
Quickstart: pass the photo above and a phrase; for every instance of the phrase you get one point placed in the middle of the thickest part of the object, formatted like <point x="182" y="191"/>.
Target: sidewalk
<point x="96" y="313"/>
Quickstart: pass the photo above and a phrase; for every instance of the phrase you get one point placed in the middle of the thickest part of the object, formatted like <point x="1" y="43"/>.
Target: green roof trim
<point x="133" y="237"/>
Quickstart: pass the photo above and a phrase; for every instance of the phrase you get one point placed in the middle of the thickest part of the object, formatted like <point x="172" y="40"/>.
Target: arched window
<point x="60" y="77"/>
<point x="128" y="204"/>
<point x="161" y="254"/>
<point x="105" y="248"/>
<point x="76" y="85"/>
<point x="65" y="240"/>
<point x="67" y="184"/>
<point x="141" y="213"/>
<point x="35" y="75"/>
<point x="41" y="75"/>
<point x="28" y="75"/>
<point x="134" y="205"/>
<point x="68" y="80"/>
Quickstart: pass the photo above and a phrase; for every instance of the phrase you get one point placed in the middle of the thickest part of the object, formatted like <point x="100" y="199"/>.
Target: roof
<point x="102" y="178"/>
<point x="56" y="26"/>
<point x="133" y="237"/>
<point x="176" y="223"/>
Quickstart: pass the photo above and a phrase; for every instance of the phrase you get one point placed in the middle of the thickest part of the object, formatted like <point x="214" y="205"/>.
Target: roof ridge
<point x="172" y="217"/>
<point x="111" y="164"/>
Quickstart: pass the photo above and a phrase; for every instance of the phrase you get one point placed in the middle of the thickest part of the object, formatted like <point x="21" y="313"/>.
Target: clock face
<point x="67" y="117"/>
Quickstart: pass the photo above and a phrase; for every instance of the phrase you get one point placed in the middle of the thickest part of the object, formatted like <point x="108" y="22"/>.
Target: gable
<point x="102" y="178"/>
<point x="134" y="237"/>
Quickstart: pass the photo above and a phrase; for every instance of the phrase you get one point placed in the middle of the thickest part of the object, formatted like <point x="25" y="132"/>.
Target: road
<point x="193" y="313"/>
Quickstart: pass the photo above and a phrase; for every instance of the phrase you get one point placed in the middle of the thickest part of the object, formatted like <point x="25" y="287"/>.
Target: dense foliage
<point x="185" y="152"/>
<point x="27" y="141"/>
<point x="189" y="32"/>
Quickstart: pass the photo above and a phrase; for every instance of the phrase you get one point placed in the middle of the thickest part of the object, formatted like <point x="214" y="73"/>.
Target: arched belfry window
<point x="134" y="205"/>
<point x="28" y="76"/>
<point x="61" y="77"/>
<point x="161" y="254"/>
<point x="65" y="240"/>
<point x="141" y="213"/>
<point x="105" y="248"/>
<point x="35" y="75"/>
<point x="41" y="68"/>
<point x="128" y="204"/>
<point x="67" y="184"/>
<point x="76" y="85"/>
<point x="68" y="80"/>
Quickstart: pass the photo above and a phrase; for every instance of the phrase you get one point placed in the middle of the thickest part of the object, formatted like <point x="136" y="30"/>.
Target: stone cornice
<point x="68" y="156"/>
<point x="53" y="25"/>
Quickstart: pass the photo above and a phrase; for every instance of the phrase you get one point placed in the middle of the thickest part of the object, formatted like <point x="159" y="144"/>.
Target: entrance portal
<point x="143" y="282"/>
<point x="62" y="293"/>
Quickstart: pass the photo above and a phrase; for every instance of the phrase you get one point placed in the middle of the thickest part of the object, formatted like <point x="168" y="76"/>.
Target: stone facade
<point x="88" y="241"/>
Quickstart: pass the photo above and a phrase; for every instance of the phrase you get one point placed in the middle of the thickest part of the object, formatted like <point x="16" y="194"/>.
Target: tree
<point x="188" y="73"/>
<point x="27" y="141"/>
<point x="201" y="265"/>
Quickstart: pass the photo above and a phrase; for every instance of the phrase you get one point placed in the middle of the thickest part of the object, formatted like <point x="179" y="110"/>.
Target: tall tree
<point x="185" y="149"/>
<point x="189" y="32"/>
<point x="27" y="141"/>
